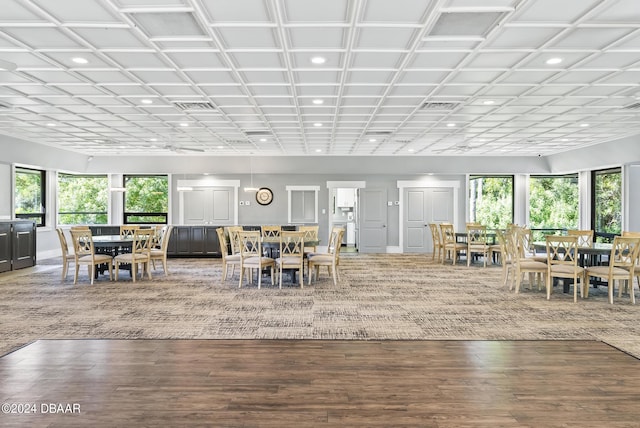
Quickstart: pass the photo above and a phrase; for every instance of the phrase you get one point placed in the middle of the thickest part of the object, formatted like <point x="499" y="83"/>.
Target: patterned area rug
<point x="384" y="296"/>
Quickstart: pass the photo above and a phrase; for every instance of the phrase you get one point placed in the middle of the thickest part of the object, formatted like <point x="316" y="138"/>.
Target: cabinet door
<point x="24" y="245"/>
<point x="198" y="241"/>
<point x="5" y="247"/>
<point x="211" y="244"/>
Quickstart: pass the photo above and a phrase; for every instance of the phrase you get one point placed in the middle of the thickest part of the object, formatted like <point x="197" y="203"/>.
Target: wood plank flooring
<point x="299" y="383"/>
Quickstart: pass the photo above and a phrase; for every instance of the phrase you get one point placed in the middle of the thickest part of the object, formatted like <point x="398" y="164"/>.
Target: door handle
<point x="384" y="225"/>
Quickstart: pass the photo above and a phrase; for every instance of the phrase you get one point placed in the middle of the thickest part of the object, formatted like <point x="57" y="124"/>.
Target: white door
<point x="424" y="206"/>
<point x="208" y="206"/>
<point x="373" y="221"/>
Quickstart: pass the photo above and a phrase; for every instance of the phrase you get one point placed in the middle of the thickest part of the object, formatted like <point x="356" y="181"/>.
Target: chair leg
<point x="91" y="269"/>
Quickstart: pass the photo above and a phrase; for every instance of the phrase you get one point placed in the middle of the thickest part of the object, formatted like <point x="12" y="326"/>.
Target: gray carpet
<point x="388" y="296"/>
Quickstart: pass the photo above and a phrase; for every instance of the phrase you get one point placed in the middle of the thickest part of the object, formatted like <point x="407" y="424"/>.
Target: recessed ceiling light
<point x="153" y="139"/>
<point x="318" y="60"/>
<point x="262" y="140"/>
<point x="482" y="140"/>
<point x="317" y="124"/>
<point x="220" y="147"/>
<point x="318" y="150"/>
<point x="184" y="125"/>
<point x="51" y="124"/>
<point x="147" y="101"/>
<point x="564" y="140"/>
<point x="451" y="125"/>
<point x="488" y="102"/>
<point x="552" y="61"/>
<point x="412" y="150"/>
<point x="584" y="125"/>
<point x="99" y="141"/>
<point x="80" y="60"/>
<point x="372" y="140"/>
<point x="318" y="102"/>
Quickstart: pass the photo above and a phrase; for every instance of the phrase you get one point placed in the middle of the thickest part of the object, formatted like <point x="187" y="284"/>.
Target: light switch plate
<point x="241" y="202"/>
<point x="390" y="203"/>
<point x="247" y="203"/>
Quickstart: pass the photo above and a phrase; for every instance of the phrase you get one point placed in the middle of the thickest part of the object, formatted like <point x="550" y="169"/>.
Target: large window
<point x="82" y="199"/>
<point x="146" y="199"/>
<point x="491" y="200"/>
<point x="30" y="188"/>
<point x="554" y="202"/>
<point x="606" y="197"/>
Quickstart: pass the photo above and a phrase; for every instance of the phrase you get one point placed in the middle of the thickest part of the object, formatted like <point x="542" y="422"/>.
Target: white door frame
<point x="425" y="183"/>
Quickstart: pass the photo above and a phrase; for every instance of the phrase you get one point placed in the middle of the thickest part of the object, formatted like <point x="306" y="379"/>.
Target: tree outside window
<point x="491" y="200"/>
<point x="146" y="199"/>
<point x="553" y="202"/>
<point x="82" y="199"/>
<point x="607" y="202"/>
<point x="30" y="185"/>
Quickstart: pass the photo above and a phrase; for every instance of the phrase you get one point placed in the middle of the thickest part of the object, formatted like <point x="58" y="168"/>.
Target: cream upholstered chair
<point x="634" y="235"/>
<point x="85" y="254"/>
<point x="160" y="245"/>
<point x="127" y="231"/>
<point x="562" y="262"/>
<point x="437" y="241"/>
<point x="67" y="256"/>
<point x="331" y="259"/>
<point x="234" y="238"/>
<point x="228" y="260"/>
<point x="505" y="239"/>
<point x="271" y="232"/>
<point x="585" y="237"/>
<point x="527" y="249"/>
<point x="291" y="254"/>
<point x="524" y="264"/>
<point x="477" y="242"/>
<point x="140" y="254"/>
<point x="310" y="235"/>
<point x="622" y="265"/>
<point x="449" y="244"/>
<point x="251" y="256"/>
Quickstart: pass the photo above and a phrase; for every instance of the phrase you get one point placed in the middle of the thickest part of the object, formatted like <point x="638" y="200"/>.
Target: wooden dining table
<point x="112" y="245"/>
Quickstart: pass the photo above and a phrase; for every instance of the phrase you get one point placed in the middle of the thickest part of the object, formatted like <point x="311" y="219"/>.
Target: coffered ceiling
<point x="330" y="77"/>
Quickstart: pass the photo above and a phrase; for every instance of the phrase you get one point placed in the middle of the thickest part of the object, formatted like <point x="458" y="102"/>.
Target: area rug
<point x="379" y="296"/>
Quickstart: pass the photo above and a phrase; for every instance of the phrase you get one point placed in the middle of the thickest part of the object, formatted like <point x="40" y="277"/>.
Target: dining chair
<point x="233" y="237"/>
<point x="140" y="254"/>
<point x="477" y="242"/>
<point x="622" y="265"/>
<point x="67" y="256"/>
<point x="251" y="256"/>
<point x="524" y="264"/>
<point x="310" y="235"/>
<point x="504" y="239"/>
<point x="127" y="231"/>
<point x="291" y="254"/>
<point x="160" y="246"/>
<point x="228" y="260"/>
<point x="585" y="237"/>
<point x="271" y="232"/>
<point x="330" y="259"/>
<point x="85" y="254"/>
<point x="450" y="246"/>
<point x="437" y="242"/>
<point x="527" y="249"/>
<point x="562" y="262"/>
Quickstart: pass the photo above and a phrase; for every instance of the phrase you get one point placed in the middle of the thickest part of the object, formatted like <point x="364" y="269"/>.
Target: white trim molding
<point x="314" y="189"/>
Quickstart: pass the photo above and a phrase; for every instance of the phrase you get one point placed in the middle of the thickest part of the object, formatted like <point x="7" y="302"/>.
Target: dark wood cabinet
<point x="194" y="241"/>
<point x="17" y="245"/>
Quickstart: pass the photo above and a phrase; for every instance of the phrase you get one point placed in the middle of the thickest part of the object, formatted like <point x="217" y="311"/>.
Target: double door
<point x="424" y="206"/>
<point x="208" y="206"/>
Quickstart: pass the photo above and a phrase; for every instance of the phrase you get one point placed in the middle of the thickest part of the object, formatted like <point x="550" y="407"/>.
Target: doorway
<point x="345" y="214"/>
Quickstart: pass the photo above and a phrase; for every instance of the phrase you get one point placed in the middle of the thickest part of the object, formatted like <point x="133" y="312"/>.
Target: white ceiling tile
<point x="422" y="77"/>
<point x="384" y="37"/>
<point x="154" y="77"/>
<point x="309" y="11"/>
<point x="404" y="11"/>
<point x="224" y="11"/>
<point x="135" y="59"/>
<point x="448" y="60"/>
<point x="248" y="38"/>
<point x="201" y="77"/>
<point x="265" y="76"/>
<point x="257" y="60"/>
<point x="43" y="38"/>
<point x="619" y="11"/>
<point x="523" y="38"/>
<point x="317" y="38"/>
<point x="566" y="11"/>
<point x="197" y="59"/>
<point x="376" y="59"/>
<point x="594" y="38"/>
<point x="111" y="38"/>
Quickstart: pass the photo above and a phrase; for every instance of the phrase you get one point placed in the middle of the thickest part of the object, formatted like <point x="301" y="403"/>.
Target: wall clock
<point x="264" y="196"/>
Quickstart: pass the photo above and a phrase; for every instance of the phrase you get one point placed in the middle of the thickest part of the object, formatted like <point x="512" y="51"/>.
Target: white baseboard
<point x="394" y="250"/>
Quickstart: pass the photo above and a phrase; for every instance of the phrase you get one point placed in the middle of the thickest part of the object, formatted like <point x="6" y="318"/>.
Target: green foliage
<point x="608" y="202"/>
<point x="553" y="202"/>
<point x="28" y="192"/>
<point x="147" y="194"/>
<point x="491" y="201"/>
<point x="82" y="199"/>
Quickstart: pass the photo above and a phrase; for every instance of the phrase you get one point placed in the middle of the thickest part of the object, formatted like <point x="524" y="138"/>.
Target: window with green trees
<point x="146" y="199"/>
<point x="83" y="199"/>
<point x="30" y="188"/>
<point x="491" y="200"/>
<point x="554" y="202"/>
<point x="606" y="197"/>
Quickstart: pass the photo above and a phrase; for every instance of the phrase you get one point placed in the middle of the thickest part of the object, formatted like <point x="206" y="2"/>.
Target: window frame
<point x="67" y="174"/>
<point x="476" y="176"/>
<point x="290" y="190"/>
<point x="126" y="214"/>
<point x="605" y="236"/>
<point x="573" y="175"/>
<point x="39" y="218"/>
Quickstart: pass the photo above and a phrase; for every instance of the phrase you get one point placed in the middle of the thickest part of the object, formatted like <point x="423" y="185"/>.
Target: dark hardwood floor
<point x="299" y="383"/>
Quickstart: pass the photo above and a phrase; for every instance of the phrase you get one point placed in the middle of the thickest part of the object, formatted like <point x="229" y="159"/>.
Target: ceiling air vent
<point x="439" y="106"/>
<point x="195" y="105"/>
<point x="257" y="133"/>
<point x="381" y="133"/>
<point x="635" y="106"/>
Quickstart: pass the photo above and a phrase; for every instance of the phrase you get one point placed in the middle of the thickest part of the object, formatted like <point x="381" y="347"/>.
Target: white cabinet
<point x="345" y="198"/>
<point x="207" y="206"/>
